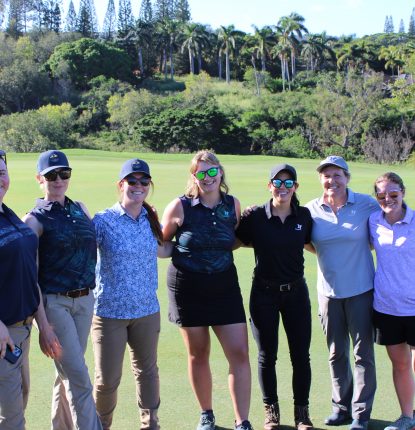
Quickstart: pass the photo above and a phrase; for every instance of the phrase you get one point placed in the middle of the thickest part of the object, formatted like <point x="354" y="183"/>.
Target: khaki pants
<point x="110" y="337"/>
<point x="72" y="402"/>
<point x="14" y="382"/>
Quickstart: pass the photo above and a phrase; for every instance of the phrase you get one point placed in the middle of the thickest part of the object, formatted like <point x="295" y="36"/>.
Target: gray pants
<point x="342" y="320"/>
<point x="73" y="406"/>
<point x="110" y="338"/>
<point x="14" y="382"/>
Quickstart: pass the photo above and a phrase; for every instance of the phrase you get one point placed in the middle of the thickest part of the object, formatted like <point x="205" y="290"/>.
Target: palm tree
<point x="263" y="40"/>
<point x="314" y="48"/>
<point x="282" y="50"/>
<point x="226" y="37"/>
<point x="356" y="54"/>
<point x="195" y="38"/>
<point x="393" y="57"/>
<point x="291" y="28"/>
<point x="167" y="30"/>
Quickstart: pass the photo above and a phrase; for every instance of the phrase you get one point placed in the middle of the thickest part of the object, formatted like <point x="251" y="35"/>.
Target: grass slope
<point x="93" y="182"/>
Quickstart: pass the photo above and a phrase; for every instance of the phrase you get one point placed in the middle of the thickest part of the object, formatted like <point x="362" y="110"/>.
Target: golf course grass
<point x="93" y="182"/>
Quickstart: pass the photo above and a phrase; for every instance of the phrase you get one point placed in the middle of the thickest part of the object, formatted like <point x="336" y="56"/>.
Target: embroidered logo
<point x="136" y="166"/>
<point x="298" y="227"/>
<point x="54" y="158"/>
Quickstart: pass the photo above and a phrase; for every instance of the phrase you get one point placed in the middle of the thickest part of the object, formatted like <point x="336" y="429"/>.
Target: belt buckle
<point x="285" y="287"/>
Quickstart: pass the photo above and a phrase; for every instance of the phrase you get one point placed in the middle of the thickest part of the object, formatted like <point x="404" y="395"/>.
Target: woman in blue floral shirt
<point x="126" y="308"/>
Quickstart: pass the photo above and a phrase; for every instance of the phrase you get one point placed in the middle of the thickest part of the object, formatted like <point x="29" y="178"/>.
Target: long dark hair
<point x="154" y="222"/>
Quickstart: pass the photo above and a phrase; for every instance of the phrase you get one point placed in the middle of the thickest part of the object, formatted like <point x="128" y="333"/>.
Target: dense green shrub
<point x="32" y="131"/>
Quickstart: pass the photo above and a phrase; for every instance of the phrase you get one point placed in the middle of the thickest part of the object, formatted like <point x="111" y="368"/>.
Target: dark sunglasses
<point x="3" y="156"/>
<point x="289" y="183"/>
<point x="391" y="194"/>
<point x="212" y="172"/>
<point x="53" y="175"/>
<point x="132" y="181"/>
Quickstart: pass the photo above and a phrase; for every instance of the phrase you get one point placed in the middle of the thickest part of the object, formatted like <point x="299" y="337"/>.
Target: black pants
<point x="267" y="302"/>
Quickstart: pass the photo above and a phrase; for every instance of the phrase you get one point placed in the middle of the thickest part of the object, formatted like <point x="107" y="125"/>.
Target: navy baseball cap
<point x="333" y="160"/>
<point x="135" y="165"/>
<point x="280" y="167"/>
<point x="51" y="160"/>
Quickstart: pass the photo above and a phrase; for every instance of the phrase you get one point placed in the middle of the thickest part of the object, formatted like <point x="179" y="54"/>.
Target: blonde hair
<point x="192" y="190"/>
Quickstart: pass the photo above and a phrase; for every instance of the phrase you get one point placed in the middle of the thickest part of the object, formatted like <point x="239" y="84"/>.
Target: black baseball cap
<point x="51" y="160"/>
<point x="134" y="165"/>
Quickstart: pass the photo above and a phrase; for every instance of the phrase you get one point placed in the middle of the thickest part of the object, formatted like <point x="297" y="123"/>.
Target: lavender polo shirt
<point x="344" y="261"/>
<point x="395" y="271"/>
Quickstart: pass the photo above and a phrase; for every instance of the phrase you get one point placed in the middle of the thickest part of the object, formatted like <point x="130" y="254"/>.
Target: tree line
<point x="163" y="82"/>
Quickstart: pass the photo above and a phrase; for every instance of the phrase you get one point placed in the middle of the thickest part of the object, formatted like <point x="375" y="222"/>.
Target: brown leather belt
<point x="74" y="294"/>
<point x="26" y="321"/>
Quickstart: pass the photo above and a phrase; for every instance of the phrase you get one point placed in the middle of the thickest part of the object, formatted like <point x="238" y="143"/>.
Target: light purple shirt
<point x="395" y="271"/>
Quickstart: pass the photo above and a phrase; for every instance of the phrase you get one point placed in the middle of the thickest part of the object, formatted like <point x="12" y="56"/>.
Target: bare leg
<point x="197" y="341"/>
<point x="234" y="341"/>
<point x="403" y="378"/>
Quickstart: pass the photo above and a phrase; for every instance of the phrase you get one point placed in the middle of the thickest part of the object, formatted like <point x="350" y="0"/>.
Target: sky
<point x="336" y="17"/>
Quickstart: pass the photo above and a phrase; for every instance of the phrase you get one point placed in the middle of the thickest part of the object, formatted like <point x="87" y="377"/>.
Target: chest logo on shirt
<point x="298" y="227"/>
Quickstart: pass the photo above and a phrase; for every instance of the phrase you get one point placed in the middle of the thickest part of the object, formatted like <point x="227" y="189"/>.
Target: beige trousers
<point x="110" y="338"/>
<point x="14" y="382"/>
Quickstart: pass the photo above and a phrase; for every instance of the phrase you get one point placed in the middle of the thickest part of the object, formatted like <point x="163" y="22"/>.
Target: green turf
<point x="93" y="182"/>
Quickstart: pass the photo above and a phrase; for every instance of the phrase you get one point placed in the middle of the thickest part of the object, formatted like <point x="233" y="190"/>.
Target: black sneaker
<point x="207" y="421"/>
<point x="245" y="425"/>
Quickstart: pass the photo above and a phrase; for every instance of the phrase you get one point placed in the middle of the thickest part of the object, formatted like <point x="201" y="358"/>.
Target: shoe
<point x="358" y="425"/>
<point x="302" y="418"/>
<point x="207" y="421"/>
<point x="245" y="425"/>
<point x="272" y="417"/>
<point x="402" y="423"/>
<point x="338" y="418"/>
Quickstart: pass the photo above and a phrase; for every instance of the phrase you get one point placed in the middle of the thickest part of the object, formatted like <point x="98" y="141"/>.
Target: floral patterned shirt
<point x="126" y="272"/>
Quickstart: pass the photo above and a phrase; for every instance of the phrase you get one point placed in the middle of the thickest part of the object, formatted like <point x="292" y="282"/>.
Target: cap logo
<point x="54" y="158"/>
<point x="136" y="165"/>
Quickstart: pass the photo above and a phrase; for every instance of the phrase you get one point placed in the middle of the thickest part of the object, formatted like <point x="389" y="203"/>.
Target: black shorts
<point x="393" y="330"/>
<point x="202" y="299"/>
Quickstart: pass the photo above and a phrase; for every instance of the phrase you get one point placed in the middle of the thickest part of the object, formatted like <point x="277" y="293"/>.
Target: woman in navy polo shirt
<point x="127" y="310"/>
<point x="278" y="231"/>
<point x="203" y="285"/>
<point x="67" y="258"/>
<point x="19" y="303"/>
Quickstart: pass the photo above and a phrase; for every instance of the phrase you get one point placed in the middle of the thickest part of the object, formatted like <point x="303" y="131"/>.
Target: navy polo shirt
<point x="278" y="246"/>
<point x="67" y="247"/>
<point x="19" y="295"/>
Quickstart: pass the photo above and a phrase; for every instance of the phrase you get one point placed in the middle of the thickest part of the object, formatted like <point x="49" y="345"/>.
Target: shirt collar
<point x="409" y="214"/>
<point x="350" y="198"/>
<point x="268" y="209"/>
<point x="121" y="211"/>
<point x="48" y="205"/>
<point x="194" y="201"/>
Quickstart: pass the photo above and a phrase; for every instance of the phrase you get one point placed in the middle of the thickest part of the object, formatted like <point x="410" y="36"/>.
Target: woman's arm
<point x="84" y="208"/>
<point x="33" y="223"/>
<point x="165" y="250"/>
<point x="309" y="247"/>
<point x="172" y="219"/>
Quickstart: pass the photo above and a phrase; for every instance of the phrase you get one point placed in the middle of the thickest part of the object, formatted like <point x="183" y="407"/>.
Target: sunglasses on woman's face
<point x="53" y="175"/>
<point x="132" y="181"/>
<point x="392" y="194"/>
<point x="289" y="183"/>
<point x="3" y="156"/>
<point x="212" y="172"/>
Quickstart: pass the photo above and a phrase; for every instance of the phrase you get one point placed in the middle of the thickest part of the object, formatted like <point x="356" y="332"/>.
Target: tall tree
<point x="16" y="20"/>
<point x="50" y="15"/>
<point x="125" y="17"/>
<point x="182" y="11"/>
<point x="71" y="18"/>
<point x="146" y="11"/>
<point x="226" y="38"/>
<point x="411" y="26"/>
<point x="263" y="40"/>
<point x="194" y="38"/>
<point x="401" y="27"/>
<point x="290" y="31"/>
<point x="163" y="9"/>
<point x="109" y="27"/>
<point x="3" y="4"/>
<point x="87" y="20"/>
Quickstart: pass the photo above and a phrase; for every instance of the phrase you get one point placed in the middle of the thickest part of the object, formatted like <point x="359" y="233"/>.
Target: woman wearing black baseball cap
<point x="127" y="310"/>
<point x="278" y="231"/>
<point x="67" y="259"/>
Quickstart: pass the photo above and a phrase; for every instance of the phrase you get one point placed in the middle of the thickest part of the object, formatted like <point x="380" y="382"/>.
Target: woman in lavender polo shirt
<point x="392" y="232"/>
